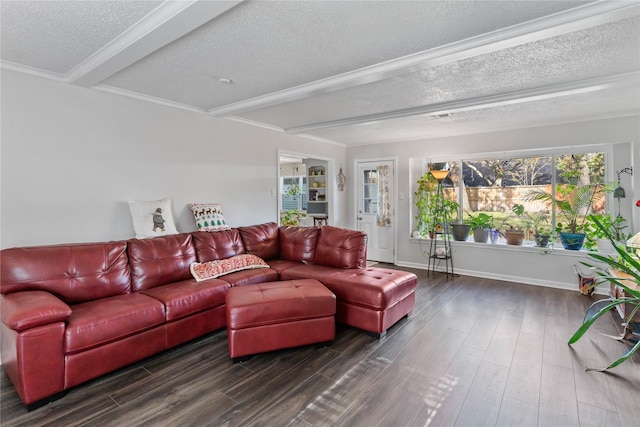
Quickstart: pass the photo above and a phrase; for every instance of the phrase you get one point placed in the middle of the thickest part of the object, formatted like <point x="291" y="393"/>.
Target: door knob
<point x="359" y="218"/>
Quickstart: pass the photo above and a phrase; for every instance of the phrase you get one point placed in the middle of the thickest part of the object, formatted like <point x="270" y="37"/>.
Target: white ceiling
<point x="348" y="72"/>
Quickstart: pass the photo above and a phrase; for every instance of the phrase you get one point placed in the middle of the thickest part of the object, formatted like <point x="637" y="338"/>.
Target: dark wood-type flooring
<point x="475" y="352"/>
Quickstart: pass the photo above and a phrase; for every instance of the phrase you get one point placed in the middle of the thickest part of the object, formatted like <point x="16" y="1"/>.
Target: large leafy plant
<point x="627" y="263"/>
<point x="432" y="206"/>
<point x="572" y="203"/>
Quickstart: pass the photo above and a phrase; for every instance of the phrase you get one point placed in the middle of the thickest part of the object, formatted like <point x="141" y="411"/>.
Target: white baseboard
<point x="600" y="290"/>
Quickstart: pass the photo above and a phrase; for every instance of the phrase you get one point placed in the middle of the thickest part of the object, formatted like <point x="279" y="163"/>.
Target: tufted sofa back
<point x="161" y="260"/>
<point x="261" y="240"/>
<point x="75" y="273"/>
<point x="87" y="271"/>
<point x="214" y="245"/>
<point x="341" y="248"/>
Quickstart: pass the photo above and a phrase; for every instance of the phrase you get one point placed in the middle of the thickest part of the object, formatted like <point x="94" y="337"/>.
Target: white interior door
<point x="375" y="187"/>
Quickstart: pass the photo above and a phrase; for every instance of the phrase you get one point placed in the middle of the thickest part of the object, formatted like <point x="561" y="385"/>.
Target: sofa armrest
<point x="25" y="310"/>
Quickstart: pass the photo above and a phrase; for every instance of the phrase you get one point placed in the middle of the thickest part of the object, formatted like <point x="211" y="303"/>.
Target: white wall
<point x="508" y="263"/>
<point x="72" y="157"/>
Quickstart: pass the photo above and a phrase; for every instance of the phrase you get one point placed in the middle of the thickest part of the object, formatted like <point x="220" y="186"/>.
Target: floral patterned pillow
<point x="213" y="269"/>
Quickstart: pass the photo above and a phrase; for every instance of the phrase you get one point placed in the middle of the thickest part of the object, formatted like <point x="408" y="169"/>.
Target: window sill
<point x="527" y="246"/>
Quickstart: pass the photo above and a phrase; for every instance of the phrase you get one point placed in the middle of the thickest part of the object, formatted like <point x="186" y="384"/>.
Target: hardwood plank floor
<point x="475" y="352"/>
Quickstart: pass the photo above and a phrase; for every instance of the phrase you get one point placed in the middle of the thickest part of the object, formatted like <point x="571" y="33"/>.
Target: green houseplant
<point x="432" y="207"/>
<point x="627" y="263"/>
<point x="517" y="221"/>
<point x="479" y="226"/>
<point x="596" y="238"/>
<point x="291" y="217"/>
<point x="541" y="228"/>
<point x="572" y="204"/>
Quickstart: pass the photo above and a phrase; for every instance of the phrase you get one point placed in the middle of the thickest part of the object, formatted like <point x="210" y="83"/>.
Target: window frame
<point x="607" y="149"/>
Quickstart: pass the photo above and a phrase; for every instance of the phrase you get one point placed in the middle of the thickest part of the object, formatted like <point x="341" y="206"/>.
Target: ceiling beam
<point x="582" y="17"/>
<point x="492" y="101"/>
<point x="166" y="23"/>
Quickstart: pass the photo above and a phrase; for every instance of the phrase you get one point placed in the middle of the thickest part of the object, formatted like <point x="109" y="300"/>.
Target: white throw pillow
<point x="152" y="218"/>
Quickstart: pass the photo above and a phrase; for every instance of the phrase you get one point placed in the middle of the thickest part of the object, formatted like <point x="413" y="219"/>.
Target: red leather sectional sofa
<point x="71" y="313"/>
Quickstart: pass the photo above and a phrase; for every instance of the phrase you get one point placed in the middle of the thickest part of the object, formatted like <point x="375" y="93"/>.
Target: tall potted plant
<point x="425" y="200"/>
<point x="627" y="263"/>
<point x="433" y="208"/>
<point x="572" y="204"/>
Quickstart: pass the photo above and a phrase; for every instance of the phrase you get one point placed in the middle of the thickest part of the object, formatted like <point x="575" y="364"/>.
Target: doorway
<point x="375" y="207"/>
<point x="305" y="189"/>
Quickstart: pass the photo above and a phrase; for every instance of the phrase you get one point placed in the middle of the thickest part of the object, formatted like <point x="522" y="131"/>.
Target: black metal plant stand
<point x="440" y="256"/>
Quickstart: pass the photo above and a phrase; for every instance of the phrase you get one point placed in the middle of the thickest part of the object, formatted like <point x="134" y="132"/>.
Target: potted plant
<point x="597" y="239"/>
<point x="424" y="196"/>
<point x="479" y="226"/>
<point x="571" y="167"/>
<point x="291" y="217"/>
<point x="494" y="235"/>
<point x="541" y="228"/>
<point x="627" y="263"/>
<point x="542" y="235"/>
<point x="572" y="204"/>
<point x="514" y="234"/>
<point x="433" y="208"/>
<point x="460" y="231"/>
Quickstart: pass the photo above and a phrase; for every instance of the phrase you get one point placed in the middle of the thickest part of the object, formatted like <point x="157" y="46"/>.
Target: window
<point x="496" y="185"/>
<point x="294" y="193"/>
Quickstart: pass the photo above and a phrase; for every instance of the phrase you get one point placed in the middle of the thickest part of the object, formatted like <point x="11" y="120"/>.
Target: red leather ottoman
<point x="373" y="299"/>
<point x="276" y="315"/>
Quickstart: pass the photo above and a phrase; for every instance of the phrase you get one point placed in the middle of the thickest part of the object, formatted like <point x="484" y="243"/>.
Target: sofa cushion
<point x="298" y="243"/>
<point x="156" y="262"/>
<point x="185" y="298"/>
<point x="208" y="216"/>
<point x="281" y="265"/>
<point x="100" y="322"/>
<point x="341" y="248"/>
<point x="261" y="240"/>
<point x="75" y="273"/>
<point x="250" y="277"/>
<point x="212" y="269"/>
<point x="313" y="271"/>
<point x="217" y="245"/>
<point x="377" y="288"/>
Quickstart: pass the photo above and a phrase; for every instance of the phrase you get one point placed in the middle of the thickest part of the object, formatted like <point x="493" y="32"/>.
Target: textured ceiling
<point x="349" y="72"/>
<point x="57" y="35"/>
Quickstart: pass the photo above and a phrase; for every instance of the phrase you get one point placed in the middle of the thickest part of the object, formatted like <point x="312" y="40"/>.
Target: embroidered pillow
<point x="152" y="218"/>
<point x="208" y="216"/>
<point x="213" y="269"/>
